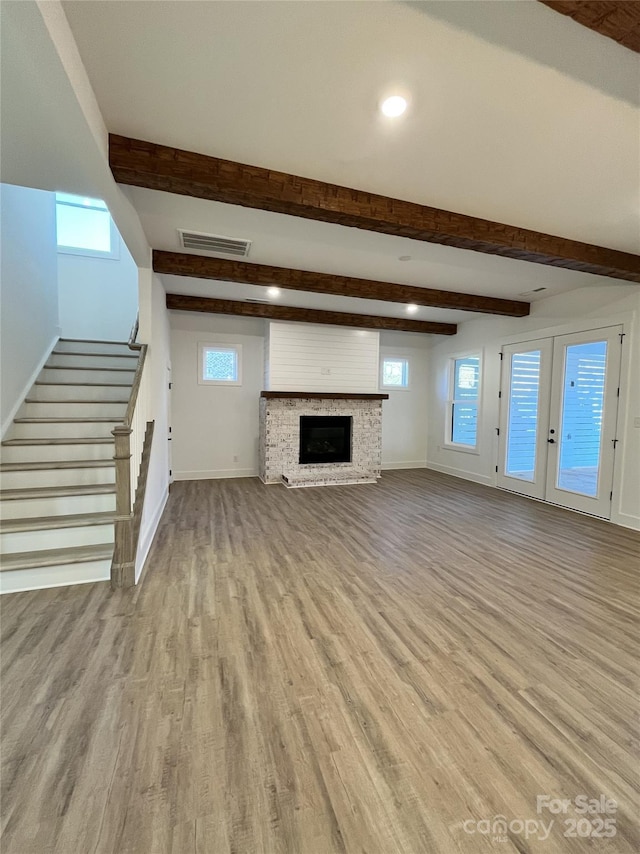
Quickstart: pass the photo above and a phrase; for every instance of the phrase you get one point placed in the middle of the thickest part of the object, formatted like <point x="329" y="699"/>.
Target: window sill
<point x="229" y="383"/>
<point x="88" y="253"/>
<point x="464" y="449"/>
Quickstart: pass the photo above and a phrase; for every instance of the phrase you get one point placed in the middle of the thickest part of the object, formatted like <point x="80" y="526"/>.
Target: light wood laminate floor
<point x="367" y="669"/>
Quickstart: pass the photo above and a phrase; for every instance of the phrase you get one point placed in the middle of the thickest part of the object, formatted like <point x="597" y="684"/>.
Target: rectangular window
<point x="84" y="227"/>
<point x="464" y="390"/>
<point x="394" y="372"/>
<point x="220" y="364"/>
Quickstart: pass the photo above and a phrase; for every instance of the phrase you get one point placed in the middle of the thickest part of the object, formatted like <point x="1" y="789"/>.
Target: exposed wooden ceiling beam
<point x="220" y="269"/>
<point x="158" y="167"/>
<point x="180" y="302"/>
<point x="617" y="19"/>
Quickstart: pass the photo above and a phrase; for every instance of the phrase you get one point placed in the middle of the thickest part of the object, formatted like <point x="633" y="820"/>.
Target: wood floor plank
<point x="336" y="670"/>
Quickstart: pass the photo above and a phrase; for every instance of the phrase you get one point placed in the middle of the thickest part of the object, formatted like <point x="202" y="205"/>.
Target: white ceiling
<point x="326" y="248"/>
<point x="516" y="114"/>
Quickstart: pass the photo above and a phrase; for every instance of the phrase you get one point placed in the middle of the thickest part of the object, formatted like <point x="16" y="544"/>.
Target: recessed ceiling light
<point x="273" y="292"/>
<point x="412" y="308"/>
<point x="394" y="106"/>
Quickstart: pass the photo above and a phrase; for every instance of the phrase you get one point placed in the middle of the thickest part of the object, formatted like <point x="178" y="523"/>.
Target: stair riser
<point x="79" y="392"/>
<point x="89" y="409"/>
<point x="59" y="538"/>
<point x="75" y="430"/>
<point x="102" y="347"/>
<point x="53" y="375"/>
<point x="51" y="453"/>
<point x="65" y="360"/>
<point x="56" y="477"/>
<point x="55" y="576"/>
<point x="27" y="508"/>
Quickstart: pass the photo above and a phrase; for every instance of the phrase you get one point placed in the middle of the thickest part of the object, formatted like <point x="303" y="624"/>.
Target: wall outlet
<point x="235" y="458"/>
<point x="636" y="421"/>
<point x="325" y="372"/>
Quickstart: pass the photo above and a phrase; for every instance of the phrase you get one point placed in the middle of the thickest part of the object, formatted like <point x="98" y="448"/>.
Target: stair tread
<point x="93" y="341"/>
<point x="53" y="557"/>
<point x="74" y="400"/>
<point x="91" y="385"/>
<point x="131" y="355"/>
<point x="44" y="442"/>
<point x="57" y="491"/>
<point x="49" y="367"/>
<point x="43" y="523"/>
<point x="56" y="464"/>
<point x="67" y="420"/>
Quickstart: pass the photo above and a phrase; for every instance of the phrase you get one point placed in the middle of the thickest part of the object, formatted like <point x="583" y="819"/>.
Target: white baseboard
<point x="626" y="520"/>
<point x="404" y="464"/>
<point x="8" y="421"/>
<point x="486" y="480"/>
<point x="146" y="539"/>
<point x="215" y="474"/>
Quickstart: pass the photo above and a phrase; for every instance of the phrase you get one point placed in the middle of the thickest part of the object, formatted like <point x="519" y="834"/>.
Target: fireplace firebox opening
<point x="325" y="439"/>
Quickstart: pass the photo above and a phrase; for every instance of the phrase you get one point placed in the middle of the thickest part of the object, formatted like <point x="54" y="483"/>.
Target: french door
<point x="559" y="408"/>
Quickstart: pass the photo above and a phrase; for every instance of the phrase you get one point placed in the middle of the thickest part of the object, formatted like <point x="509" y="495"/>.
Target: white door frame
<point x="600" y="504"/>
<point x="618" y="327"/>
<point x="534" y="488"/>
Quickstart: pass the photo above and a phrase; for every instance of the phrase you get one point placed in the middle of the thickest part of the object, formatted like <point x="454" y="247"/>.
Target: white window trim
<point x="388" y="356"/>
<point x="457" y="446"/>
<point x="202" y="346"/>
<point x="113" y="255"/>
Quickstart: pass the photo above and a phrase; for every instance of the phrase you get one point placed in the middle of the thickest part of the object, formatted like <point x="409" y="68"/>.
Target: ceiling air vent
<point x="214" y="243"/>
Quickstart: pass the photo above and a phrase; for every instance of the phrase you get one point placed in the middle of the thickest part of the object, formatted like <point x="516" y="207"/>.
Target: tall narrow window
<point x="464" y="391"/>
<point x="84" y="227"/>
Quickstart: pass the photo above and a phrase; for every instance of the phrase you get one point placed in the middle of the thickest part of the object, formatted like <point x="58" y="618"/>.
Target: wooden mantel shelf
<point x="332" y="395"/>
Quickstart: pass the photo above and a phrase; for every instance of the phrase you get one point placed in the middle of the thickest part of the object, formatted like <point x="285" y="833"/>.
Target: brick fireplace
<point x="281" y="415"/>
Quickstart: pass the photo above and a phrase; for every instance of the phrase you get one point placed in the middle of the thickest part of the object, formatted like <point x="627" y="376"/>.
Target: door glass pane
<point x="522" y="429"/>
<point x="581" y="431"/>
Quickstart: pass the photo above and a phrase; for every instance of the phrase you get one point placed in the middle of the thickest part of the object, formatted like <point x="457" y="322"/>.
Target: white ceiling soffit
<point x="303" y="244"/>
<point x="300" y="299"/>
<point x="515" y="113"/>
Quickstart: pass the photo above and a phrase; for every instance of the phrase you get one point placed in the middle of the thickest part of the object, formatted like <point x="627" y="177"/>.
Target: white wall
<point x="98" y="297"/>
<point x="404" y="415"/>
<point x="214" y="425"/>
<point x="52" y="133"/>
<point x="585" y="307"/>
<point x="214" y="428"/>
<point x="154" y="331"/>
<point x="29" y="291"/>
<point x="309" y="357"/>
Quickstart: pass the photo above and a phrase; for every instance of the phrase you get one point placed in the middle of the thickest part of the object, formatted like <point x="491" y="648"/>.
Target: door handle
<point x="551" y="441"/>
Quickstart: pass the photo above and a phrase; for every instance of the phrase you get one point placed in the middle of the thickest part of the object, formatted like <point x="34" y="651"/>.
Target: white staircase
<point x="57" y="474"/>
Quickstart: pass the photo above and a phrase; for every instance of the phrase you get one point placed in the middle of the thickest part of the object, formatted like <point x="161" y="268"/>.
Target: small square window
<point x="394" y="372"/>
<point x="84" y="227"/>
<point x="220" y="364"/>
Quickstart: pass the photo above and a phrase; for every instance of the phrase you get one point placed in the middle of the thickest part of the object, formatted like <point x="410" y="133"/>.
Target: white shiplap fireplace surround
<point x="320" y="371"/>
<point x="280" y="414"/>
